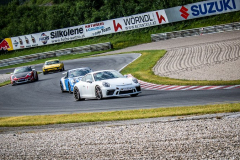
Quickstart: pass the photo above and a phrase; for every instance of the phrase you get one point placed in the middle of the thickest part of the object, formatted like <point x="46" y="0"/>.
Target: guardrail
<point x="195" y="31"/>
<point x="75" y="50"/>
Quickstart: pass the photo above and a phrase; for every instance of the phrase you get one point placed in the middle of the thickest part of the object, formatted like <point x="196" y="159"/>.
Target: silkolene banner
<point x="143" y="20"/>
<point x="49" y="37"/>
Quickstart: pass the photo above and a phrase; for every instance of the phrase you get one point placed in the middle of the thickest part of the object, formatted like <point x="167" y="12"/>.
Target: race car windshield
<point x="77" y="73"/>
<point x="23" y="69"/>
<point x="52" y="62"/>
<point x="107" y="75"/>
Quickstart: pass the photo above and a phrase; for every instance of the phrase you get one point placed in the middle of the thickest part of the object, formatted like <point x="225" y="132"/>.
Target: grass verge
<point x="117" y="115"/>
<point x="5" y="83"/>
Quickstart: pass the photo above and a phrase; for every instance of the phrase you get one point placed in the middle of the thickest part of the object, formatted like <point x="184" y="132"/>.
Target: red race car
<point x="23" y="75"/>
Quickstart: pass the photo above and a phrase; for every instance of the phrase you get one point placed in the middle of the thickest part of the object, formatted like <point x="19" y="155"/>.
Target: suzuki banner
<point x="143" y="20"/>
<point x="202" y="9"/>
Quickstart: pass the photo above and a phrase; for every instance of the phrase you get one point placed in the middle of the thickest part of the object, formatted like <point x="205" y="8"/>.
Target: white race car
<point x="105" y="83"/>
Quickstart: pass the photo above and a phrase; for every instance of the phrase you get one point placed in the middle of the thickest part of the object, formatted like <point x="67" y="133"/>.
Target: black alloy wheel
<point x="98" y="92"/>
<point x="76" y="94"/>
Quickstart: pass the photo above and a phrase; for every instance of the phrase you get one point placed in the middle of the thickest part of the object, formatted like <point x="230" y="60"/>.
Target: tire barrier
<point x="196" y="31"/>
<point x="57" y="53"/>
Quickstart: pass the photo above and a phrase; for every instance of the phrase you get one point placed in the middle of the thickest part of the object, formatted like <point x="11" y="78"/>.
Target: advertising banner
<point x="6" y="44"/>
<point x="138" y="21"/>
<point x="49" y="37"/>
<point x="126" y="23"/>
<point x="202" y="9"/>
<point x="98" y="28"/>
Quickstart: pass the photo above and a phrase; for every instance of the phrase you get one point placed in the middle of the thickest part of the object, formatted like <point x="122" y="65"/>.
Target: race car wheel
<point x="61" y="87"/>
<point x="98" y="92"/>
<point x="69" y="88"/>
<point x="36" y="77"/>
<point x="76" y="94"/>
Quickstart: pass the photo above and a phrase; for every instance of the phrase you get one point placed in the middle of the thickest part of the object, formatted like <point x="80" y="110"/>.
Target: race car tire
<point x="69" y="88"/>
<point x="98" y="92"/>
<point x="76" y="94"/>
<point x="61" y="87"/>
<point x="36" y="77"/>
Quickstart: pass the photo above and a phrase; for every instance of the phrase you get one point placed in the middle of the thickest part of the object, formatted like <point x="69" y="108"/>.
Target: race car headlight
<point x="105" y="84"/>
<point x="29" y="74"/>
<point x="135" y="80"/>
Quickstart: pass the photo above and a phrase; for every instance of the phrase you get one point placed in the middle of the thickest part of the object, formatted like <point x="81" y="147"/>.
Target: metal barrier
<point x="75" y="50"/>
<point x="196" y="31"/>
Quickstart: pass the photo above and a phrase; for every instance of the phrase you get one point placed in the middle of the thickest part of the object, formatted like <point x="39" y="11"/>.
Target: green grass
<point x="117" y="115"/>
<point x="5" y="83"/>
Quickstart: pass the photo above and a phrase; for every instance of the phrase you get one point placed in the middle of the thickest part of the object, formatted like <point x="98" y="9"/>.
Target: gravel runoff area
<point x="199" y="137"/>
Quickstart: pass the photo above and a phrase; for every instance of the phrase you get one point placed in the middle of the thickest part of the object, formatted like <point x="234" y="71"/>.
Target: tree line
<point x="34" y="16"/>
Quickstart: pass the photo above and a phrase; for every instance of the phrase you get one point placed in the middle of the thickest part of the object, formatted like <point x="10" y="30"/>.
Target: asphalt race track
<point x="44" y="96"/>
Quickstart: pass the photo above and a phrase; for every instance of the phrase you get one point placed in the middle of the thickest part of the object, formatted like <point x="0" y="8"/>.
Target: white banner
<point x="202" y="9"/>
<point x="49" y="37"/>
<point x="138" y="21"/>
<point x="98" y="29"/>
